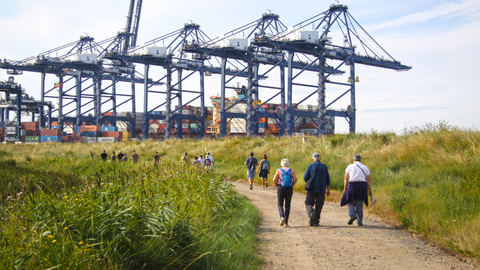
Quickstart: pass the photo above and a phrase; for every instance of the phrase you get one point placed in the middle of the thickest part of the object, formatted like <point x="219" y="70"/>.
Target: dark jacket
<point x="322" y="177"/>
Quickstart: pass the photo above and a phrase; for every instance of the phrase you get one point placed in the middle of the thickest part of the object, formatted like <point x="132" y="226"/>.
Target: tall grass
<point x="125" y="216"/>
<point x="426" y="179"/>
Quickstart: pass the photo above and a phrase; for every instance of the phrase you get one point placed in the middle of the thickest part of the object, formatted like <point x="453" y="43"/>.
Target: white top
<point x="356" y="174"/>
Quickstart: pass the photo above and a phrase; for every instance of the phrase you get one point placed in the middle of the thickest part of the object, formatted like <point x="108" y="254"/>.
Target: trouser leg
<point x="359" y="210"/>
<point x="288" y="200"/>
<point x="280" y="199"/>
<point x="320" y="200"/>
<point x="351" y="208"/>
<point x="309" y="202"/>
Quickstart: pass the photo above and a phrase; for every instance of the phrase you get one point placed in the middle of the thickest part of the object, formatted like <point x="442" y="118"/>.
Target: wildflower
<point x="54" y="241"/>
<point x="80" y="243"/>
<point x="50" y="236"/>
<point x="66" y="228"/>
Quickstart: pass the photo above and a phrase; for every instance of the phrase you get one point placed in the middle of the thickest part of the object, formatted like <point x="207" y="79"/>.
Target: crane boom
<point x="136" y="23"/>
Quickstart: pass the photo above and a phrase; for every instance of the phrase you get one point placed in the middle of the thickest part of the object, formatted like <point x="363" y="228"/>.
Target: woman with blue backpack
<point x="285" y="179"/>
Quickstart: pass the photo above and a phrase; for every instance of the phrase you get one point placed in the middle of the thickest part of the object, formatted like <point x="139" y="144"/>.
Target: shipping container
<point x="107" y="139"/>
<point x="32" y="138"/>
<point x="112" y="134"/>
<point x="50" y="132"/>
<point x="90" y="134"/>
<point x="90" y="128"/>
<point x="30" y="125"/>
<point x="88" y="58"/>
<point x="89" y="139"/>
<point x="108" y="128"/>
<point x="50" y="138"/>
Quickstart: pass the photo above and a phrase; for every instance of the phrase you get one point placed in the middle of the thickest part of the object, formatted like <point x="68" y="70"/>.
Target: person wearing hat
<point x="356" y="189"/>
<point x="321" y="186"/>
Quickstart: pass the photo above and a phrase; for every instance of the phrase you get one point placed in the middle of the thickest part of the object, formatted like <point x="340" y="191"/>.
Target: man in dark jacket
<point x="321" y="186"/>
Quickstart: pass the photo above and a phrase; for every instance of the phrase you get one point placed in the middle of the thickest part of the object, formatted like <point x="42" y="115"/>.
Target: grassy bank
<point x="62" y="208"/>
<point x="427" y="179"/>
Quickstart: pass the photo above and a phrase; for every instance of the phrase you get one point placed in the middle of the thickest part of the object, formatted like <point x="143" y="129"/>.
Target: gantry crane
<point x="315" y="46"/>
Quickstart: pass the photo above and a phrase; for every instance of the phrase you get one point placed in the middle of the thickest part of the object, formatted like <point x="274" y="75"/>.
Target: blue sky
<point x="439" y="39"/>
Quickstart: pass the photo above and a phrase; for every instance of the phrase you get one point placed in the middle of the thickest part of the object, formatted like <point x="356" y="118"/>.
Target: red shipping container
<point x="116" y="134"/>
<point x="30" y="125"/>
<point x="108" y="114"/>
<point x="90" y="128"/>
<point x="51" y="132"/>
<point x="308" y="126"/>
<point x="273" y="126"/>
<point x="164" y="126"/>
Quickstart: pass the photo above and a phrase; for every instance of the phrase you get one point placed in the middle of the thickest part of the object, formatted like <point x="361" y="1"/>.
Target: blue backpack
<point x="286" y="178"/>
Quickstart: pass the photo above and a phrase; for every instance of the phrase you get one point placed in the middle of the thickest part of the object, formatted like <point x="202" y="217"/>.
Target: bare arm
<point x="275" y="179"/>
<point x="345" y="182"/>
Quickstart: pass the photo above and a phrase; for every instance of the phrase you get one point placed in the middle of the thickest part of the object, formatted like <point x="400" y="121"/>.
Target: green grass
<point x="124" y="216"/>
<point x="426" y="179"/>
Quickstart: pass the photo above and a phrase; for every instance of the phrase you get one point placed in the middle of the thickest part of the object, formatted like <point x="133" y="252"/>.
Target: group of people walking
<point x="357" y="187"/>
<point x="206" y="162"/>
<point x="120" y="157"/>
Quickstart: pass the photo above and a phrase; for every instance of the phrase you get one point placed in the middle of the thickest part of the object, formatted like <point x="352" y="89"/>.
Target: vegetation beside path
<point x="426" y="179"/>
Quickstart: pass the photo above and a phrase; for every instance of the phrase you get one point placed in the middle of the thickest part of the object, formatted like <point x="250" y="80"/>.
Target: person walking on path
<point x="321" y="186"/>
<point x="356" y="189"/>
<point x="264" y="169"/>
<point x="156" y="159"/>
<point x="134" y="157"/>
<point x="104" y="155"/>
<point x="284" y="179"/>
<point x="251" y="163"/>
<point x="125" y="157"/>
<point x="185" y="158"/>
<point x="208" y="156"/>
<point x="114" y="157"/>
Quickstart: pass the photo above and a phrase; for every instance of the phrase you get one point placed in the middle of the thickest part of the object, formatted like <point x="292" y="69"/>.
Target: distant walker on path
<point x="321" y="186"/>
<point x="251" y="163"/>
<point x="284" y="179"/>
<point x="356" y="189"/>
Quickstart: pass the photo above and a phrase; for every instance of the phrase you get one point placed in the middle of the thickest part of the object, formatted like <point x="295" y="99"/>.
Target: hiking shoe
<point x="285" y="225"/>
<point x="263" y="187"/>
<point x="251" y="187"/>
<point x="282" y="221"/>
<point x="312" y="220"/>
<point x="266" y="184"/>
<point x="352" y="219"/>
<point x="316" y="225"/>
<point x="360" y="224"/>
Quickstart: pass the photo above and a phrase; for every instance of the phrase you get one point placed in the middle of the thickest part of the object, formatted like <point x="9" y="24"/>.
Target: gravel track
<point x="336" y="245"/>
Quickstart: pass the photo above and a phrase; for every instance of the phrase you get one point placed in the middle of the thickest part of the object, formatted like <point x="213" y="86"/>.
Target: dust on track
<point x="336" y="245"/>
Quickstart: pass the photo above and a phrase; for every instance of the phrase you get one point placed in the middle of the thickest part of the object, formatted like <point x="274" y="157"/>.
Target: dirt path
<point x="336" y="245"/>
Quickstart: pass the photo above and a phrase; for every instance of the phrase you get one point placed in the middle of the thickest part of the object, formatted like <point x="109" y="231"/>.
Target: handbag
<point x="309" y="183"/>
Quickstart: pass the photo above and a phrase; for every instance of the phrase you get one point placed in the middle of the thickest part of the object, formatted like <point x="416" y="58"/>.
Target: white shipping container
<point x="88" y="58"/>
<point x="10" y="128"/>
<point x="155" y="126"/>
<point x="311" y="131"/>
<point x="89" y="139"/>
<point x="261" y="130"/>
<point x="153" y="130"/>
<point x="107" y="139"/>
<point x="185" y="126"/>
<point x="309" y="36"/>
<point x="238" y="130"/>
<point x="156" y="51"/>
<point x="238" y="43"/>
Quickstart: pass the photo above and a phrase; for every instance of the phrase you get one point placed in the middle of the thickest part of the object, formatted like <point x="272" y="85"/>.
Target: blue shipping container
<point x="50" y="138"/>
<point x="194" y="130"/>
<point x="90" y="134"/>
<point x="107" y="129"/>
<point x="261" y="125"/>
<point x="79" y="129"/>
<point x="2" y="124"/>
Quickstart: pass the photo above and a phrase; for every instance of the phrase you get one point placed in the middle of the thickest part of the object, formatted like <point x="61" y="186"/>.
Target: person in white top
<point x="356" y="189"/>
<point x="210" y="166"/>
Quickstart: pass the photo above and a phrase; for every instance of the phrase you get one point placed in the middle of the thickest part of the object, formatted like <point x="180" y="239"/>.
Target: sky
<point x="438" y="39"/>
